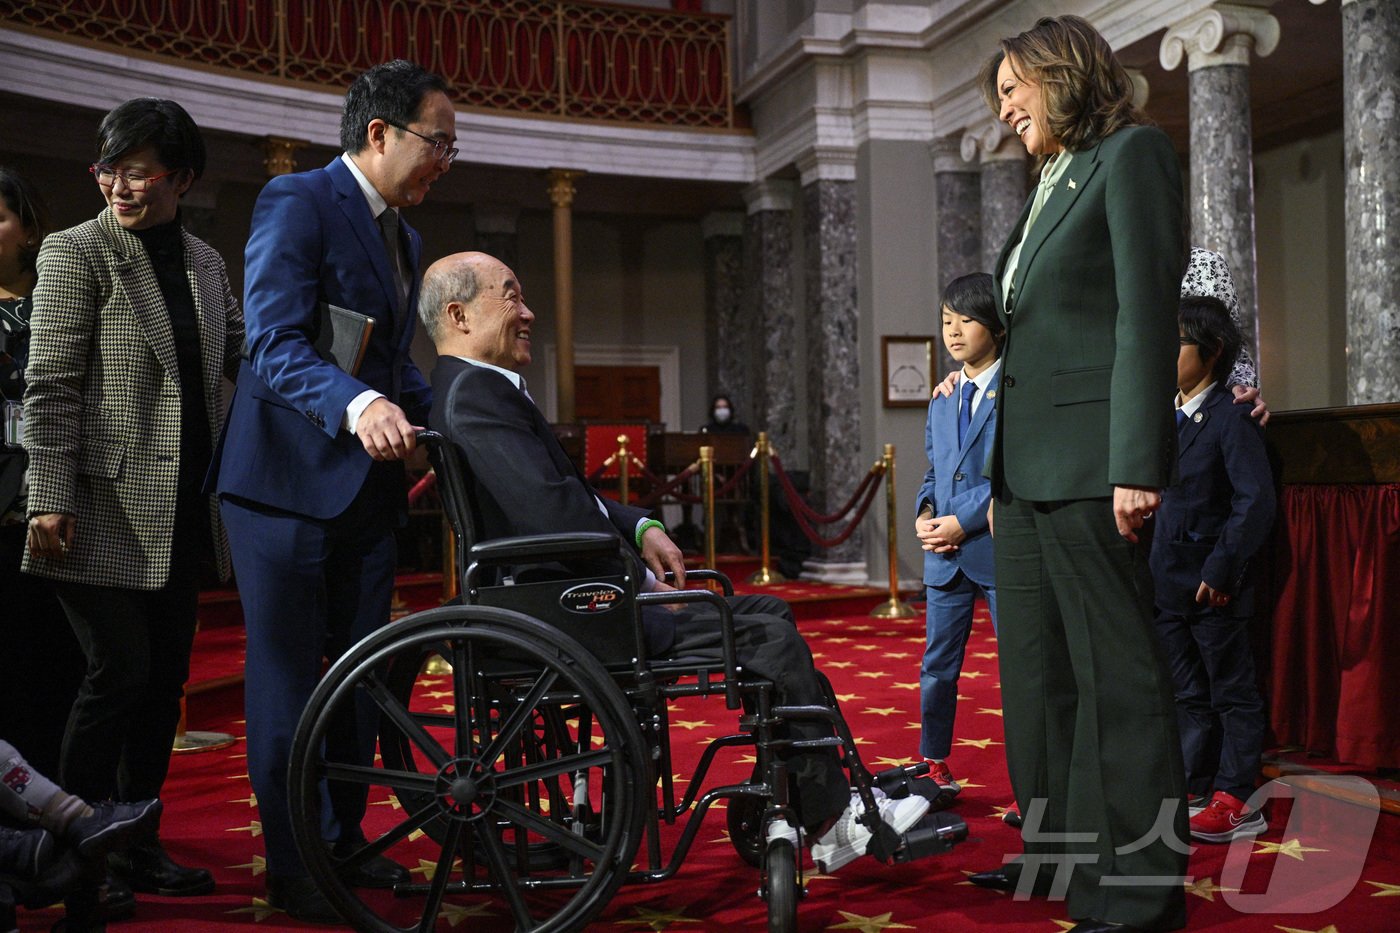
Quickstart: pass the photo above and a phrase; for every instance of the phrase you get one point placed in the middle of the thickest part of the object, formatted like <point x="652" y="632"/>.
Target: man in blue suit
<point x="952" y="510"/>
<point x="308" y="469"/>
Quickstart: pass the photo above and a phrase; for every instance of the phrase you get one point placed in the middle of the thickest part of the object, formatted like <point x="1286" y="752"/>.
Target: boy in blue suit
<point x="1208" y="528"/>
<point x="952" y="509"/>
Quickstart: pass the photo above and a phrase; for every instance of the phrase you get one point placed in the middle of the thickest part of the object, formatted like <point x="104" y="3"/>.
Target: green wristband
<point x="646" y="526"/>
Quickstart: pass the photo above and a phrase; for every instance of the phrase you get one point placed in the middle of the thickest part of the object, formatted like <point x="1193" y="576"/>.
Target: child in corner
<point x="1208" y="528"/>
<point x="952" y="510"/>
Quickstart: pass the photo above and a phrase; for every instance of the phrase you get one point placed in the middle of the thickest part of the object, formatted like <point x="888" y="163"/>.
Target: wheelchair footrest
<point x="935" y="834"/>
<point x="898" y="781"/>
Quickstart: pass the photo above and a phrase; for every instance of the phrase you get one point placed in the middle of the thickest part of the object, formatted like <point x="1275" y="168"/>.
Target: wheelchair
<point x="524" y="780"/>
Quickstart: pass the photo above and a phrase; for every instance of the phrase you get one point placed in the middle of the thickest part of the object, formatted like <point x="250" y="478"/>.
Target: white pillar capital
<point x="948" y="156"/>
<point x="1222" y="34"/>
<point x="827" y="163"/>
<point x="769" y="194"/>
<point x="1141" y="88"/>
<point x="991" y="142"/>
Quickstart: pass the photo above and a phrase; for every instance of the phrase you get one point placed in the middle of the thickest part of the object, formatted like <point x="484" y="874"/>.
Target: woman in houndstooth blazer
<point x="133" y="329"/>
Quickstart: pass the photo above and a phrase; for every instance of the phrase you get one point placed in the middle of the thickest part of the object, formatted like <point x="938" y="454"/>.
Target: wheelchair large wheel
<point x="525" y="738"/>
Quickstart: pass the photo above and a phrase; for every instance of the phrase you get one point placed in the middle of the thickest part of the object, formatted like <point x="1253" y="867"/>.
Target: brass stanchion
<point x="765" y="573"/>
<point x="437" y="665"/>
<point x="893" y="608"/>
<point x="623" y="468"/>
<point x="707" y="487"/>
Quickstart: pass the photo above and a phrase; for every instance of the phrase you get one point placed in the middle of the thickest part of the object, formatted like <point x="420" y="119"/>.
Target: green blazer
<point x="1089" y="365"/>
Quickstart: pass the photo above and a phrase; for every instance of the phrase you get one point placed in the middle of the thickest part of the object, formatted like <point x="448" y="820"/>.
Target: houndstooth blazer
<point x="102" y="409"/>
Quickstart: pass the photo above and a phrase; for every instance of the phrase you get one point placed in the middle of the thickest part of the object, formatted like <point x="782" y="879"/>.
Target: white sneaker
<point x="849" y="838"/>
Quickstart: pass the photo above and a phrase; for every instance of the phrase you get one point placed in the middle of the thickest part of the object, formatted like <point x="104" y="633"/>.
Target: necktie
<point x="969" y="389"/>
<point x="389" y="230"/>
<point x="1180" y="418"/>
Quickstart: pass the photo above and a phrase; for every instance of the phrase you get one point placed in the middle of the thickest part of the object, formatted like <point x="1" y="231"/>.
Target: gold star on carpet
<point x="427" y="869"/>
<point x="258" y="865"/>
<point x="1292" y="848"/>
<point x="818" y="654"/>
<point x="455" y="914"/>
<point x="989" y="712"/>
<point x="260" y="909"/>
<point x="911" y="685"/>
<point x="238" y="777"/>
<point x="984" y="655"/>
<point x="1066" y="924"/>
<point x="868" y="924"/>
<point x="416" y="835"/>
<point x="875" y="675"/>
<point x="893" y="762"/>
<point x="1206" y="888"/>
<point x="689" y="724"/>
<point x="1330" y="928"/>
<point x="860" y="628"/>
<point x="393" y="801"/>
<point x="446" y="708"/>
<point x="1386" y="890"/>
<point x="865" y="647"/>
<point x="897" y="654"/>
<point x="251" y="800"/>
<point x="997" y="812"/>
<point x="836" y="639"/>
<point x="723" y="837"/>
<point x="975" y="743"/>
<point x="597" y="740"/>
<point x="743" y="760"/>
<point x="914" y="725"/>
<point x="431" y="681"/>
<point x="255" y="828"/>
<point x="677" y="779"/>
<point x="658" y="919"/>
<point x="437" y="694"/>
<point x="974" y="674"/>
<point x="848" y="697"/>
<point x="882" y="710"/>
<point x="840" y="664"/>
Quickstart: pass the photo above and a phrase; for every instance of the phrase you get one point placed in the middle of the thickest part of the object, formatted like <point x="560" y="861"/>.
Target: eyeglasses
<point x="135" y="182"/>
<point x="440" y="150"/>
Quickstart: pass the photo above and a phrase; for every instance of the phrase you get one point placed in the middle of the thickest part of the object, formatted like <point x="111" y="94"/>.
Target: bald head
<point x="472" y="305"/>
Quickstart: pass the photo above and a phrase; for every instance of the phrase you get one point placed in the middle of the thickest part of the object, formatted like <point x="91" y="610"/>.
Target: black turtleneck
<point x="166" y="247"/>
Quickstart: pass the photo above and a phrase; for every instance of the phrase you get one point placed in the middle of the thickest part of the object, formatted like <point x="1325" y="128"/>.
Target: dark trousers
<point x="41" y="664"/>
<point x="310" y="590"/>
<point x="1090" y="720"/>
<point x="137" y="643"/>
<point x="1219" y="710"/>
<point x="768" y="645"/>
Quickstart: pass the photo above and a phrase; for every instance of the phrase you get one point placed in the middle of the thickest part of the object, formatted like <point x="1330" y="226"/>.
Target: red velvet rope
<point x="870" y="490"/>
<point x="801" y="508"/>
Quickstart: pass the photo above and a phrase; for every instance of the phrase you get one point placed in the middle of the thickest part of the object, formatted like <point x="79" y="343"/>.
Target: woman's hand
<point x="51" y="534"/>
<point x="1246" y="394"/>
<point x="1132" y="507"/>
<point x="949" y="383"/>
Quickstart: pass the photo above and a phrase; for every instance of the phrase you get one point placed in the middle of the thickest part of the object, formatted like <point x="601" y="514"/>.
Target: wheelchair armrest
<point x="544" y="547"/>
<point x="724" y="581"/>
<point x="726" y="622"/>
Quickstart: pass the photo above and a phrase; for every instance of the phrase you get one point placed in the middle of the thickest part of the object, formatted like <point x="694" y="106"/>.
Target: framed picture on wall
<point x="907" y="368"/>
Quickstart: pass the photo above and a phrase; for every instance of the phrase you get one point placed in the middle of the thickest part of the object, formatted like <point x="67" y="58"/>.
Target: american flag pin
<point x="1071" y="183"/>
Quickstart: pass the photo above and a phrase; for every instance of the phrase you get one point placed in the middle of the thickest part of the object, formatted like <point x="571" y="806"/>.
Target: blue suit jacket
<point x="1219" y="515"/>
<point x="955" y="485"/>
<point x="314" y="240"/>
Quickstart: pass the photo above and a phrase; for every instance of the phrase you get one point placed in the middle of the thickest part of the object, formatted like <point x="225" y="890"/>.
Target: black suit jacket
<point x="1219" y="514"/>
<point x="522" y="482"/>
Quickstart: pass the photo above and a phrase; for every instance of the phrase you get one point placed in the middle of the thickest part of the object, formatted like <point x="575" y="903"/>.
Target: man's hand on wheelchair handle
<point x="661" y="555"/>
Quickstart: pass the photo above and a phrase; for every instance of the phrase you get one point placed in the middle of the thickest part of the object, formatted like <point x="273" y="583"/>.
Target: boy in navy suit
<point x="952" y="510"/>
<point x="1208" y="528"/>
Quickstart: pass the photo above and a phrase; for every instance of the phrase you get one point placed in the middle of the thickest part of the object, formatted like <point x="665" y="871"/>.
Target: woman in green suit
<point x="1085" y="441"/>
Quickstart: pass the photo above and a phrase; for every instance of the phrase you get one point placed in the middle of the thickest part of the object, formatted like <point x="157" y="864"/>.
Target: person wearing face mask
<point x="1085" y="441"/>
<point x="134" y="328"/>
<point x="723" y="420"/>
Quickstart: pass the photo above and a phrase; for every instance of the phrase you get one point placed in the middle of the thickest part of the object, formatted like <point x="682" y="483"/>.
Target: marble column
<point x="561" y="195"/>
<point x="729" y="332"/>
<point x="768" y="301"/>
<point x="1371" y="137"/>
<point x="1216" y="43"/>
<point x="958" y="193"/>
<point x="833" y="357"/>
<point x="1005" y="170"/>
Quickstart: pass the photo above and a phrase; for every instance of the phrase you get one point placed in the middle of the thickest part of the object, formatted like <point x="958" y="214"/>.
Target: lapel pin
<point x="992" y="393"/>
<point x="1198" y="417"/>
<point x="1071" y="184"/>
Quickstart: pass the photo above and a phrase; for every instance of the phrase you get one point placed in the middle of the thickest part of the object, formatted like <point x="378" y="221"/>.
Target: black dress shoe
<point x="112" y="826"/>
<point x="1103" y="926"/>
<point x="377" y="872"/>
<point x="301" y="899"/>
<point x="148" y="868"/>
<point x="115" y="900"/>
<point x="999" y="879"/>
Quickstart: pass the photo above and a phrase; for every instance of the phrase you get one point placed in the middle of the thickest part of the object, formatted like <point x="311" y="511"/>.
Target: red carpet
<point x="211" y="820"/>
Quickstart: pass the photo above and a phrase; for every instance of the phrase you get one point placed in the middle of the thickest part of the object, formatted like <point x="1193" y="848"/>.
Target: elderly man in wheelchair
<point x="538" y="778"/>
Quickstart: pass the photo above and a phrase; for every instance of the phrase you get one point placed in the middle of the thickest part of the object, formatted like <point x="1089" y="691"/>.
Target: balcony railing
<point x="560" y="58"/>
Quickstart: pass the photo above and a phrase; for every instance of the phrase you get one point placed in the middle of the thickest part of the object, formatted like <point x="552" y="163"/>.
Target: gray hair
<point x="456" y="282"/>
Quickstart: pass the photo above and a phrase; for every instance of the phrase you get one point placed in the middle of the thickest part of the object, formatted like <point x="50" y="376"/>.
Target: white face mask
<point x="721" y="415"/>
